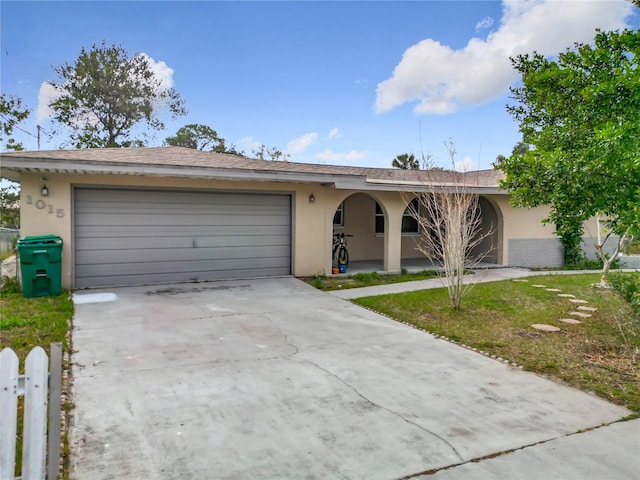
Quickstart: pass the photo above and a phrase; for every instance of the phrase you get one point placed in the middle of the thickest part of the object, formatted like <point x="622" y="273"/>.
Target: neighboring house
<point x="172" y="214"/>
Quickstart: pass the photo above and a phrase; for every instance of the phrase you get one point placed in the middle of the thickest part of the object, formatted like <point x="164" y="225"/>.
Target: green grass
<point x="366" y="279"/>
<point x="29" y="322"/>
<point x="600" y="355"/>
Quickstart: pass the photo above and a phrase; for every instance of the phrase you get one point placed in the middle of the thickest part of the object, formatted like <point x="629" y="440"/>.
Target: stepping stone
<point x="553" y="290"/>
<point x="588" y="309"/>
<point x="580" y="314"/>
<point x="566" y="295"/>
<point x="539" y="286"/>
<point x="575" y="300"/>
<point x="544" y="327"/>
<point x="570" y="320"/>
<point x="520" y="280"/>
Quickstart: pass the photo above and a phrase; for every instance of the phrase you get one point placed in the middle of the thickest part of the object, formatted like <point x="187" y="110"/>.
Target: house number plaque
<point x="40" y="204"/>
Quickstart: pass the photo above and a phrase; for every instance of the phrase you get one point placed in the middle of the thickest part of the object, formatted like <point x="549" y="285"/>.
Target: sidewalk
<point x="481" y="276"/>
<point x="489" y="275"/>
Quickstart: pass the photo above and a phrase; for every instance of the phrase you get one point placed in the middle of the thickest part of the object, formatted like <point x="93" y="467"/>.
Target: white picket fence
<point x="40" y="389"/>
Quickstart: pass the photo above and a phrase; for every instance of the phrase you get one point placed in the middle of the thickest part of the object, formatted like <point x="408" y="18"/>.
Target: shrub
<point x="628" y="286"/>
<point x="588" y="264"/>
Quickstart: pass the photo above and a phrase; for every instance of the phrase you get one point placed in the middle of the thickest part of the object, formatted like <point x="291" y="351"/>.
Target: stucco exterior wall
<point x="312" y="221"/>
<point x="522" y="228"/>
<point x="54" y="214"/>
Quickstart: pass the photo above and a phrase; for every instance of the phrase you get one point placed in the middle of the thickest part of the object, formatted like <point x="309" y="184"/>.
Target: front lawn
<point x="599" y="355"/>
<point x="29" y="322"/>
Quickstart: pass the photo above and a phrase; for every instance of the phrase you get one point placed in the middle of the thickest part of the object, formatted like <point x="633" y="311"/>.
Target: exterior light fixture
<point x="44" y="191"/>
<point x="312" y="198"/>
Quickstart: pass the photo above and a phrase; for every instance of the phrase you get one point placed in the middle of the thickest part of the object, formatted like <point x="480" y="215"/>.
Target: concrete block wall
<point x="535" y="252"/>
<point x="629" y="261"/>
<point x="589" y="249"/>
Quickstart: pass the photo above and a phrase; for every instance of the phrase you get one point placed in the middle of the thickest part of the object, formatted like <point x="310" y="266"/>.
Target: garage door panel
<point x="158" y="278"/>
<point x="183" y="219"/>
<point x="153" y="197"/>
<point x="164" y="209"/>
<point x="141" y="231"/>
<point x="129" y="256"/>
<point x="190" y="270"/>
<point x="125" y="243"/>
<point x="127" y="237"/>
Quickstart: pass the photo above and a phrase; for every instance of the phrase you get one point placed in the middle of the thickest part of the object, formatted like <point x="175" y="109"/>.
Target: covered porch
<point x="383" y="236"/>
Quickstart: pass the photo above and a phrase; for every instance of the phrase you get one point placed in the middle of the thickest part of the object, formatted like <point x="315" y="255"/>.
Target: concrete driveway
<point x="272" y="379"/>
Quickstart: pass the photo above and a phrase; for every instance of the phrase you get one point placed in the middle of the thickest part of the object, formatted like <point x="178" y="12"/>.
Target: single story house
<point x="170" y="214"/>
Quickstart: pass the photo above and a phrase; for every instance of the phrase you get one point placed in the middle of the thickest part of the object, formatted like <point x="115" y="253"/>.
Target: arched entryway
<point x="358" y="215"/>
<point x="490" y="248"/>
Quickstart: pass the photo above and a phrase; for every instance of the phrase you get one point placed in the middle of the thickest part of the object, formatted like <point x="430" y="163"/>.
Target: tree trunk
<point x="607" y="262"/>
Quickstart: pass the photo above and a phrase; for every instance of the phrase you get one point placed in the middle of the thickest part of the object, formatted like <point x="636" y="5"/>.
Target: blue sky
<point x="352" y="83"/>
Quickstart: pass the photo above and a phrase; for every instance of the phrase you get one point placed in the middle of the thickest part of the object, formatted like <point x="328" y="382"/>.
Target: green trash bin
<point x="40" y="265"/>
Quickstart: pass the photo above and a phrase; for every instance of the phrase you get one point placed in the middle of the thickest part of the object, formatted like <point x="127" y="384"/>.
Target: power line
<point x="6" y="52"/>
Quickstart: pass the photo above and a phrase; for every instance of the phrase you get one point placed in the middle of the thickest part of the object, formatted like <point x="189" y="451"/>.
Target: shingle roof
<point x="189" y="158"/>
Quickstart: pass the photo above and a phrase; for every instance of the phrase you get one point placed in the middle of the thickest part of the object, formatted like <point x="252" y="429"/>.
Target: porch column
<point x="393" y="238"/>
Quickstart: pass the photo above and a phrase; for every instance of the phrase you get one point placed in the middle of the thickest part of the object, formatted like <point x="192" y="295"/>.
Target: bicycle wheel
<point x="343" y="255"/>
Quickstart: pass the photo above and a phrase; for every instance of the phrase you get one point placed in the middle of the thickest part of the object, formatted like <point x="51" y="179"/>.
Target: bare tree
<point x="450" y="218"/>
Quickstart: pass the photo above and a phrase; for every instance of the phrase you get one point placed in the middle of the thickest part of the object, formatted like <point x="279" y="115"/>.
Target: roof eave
<point x="11" y="169"/>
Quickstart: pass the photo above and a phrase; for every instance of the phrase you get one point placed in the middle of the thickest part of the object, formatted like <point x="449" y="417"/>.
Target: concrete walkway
<point x="481" y="276"/>
<point x="489" y="275"/>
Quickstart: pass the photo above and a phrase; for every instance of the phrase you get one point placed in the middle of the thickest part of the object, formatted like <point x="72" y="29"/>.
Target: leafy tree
<point x="12" y="112"/>
<point x="580" y="115"/>
<point x="406" y="161"/>
<point x="10" y="205"/>
<point x="106" y="93"/>
<point x="201" y="137"/>
<point x="520" y="148"/>
<point x="273" y="153"/>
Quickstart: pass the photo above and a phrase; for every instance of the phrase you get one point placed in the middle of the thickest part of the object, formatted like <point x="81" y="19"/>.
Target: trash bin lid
<point x="39" y="240"/>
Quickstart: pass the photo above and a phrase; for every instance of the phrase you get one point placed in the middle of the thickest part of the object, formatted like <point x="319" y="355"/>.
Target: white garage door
<point x="134" y="237"/>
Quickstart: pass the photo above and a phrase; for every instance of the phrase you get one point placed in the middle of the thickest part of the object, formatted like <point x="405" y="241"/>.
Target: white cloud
<point x="331" y="156"/>
<point x="442" y="79"/>
<point x="249" y="144"/>
<point x="486" y="22"/>
<point x="161" y="71"/>
<point x="334" y="133"/>
<point x="46" y="95"/>
<point x="465" y="165"/>
<point x="300" y="144"/>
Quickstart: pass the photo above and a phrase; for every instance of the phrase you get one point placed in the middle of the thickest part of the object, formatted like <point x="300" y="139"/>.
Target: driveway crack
<point x="505" y="452"/>
<point x="288" y="343"/>
<point x="382" y="407"/>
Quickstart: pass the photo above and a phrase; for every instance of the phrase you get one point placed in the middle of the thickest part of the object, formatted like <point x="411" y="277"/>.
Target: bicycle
<point x="340" y="252"/>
